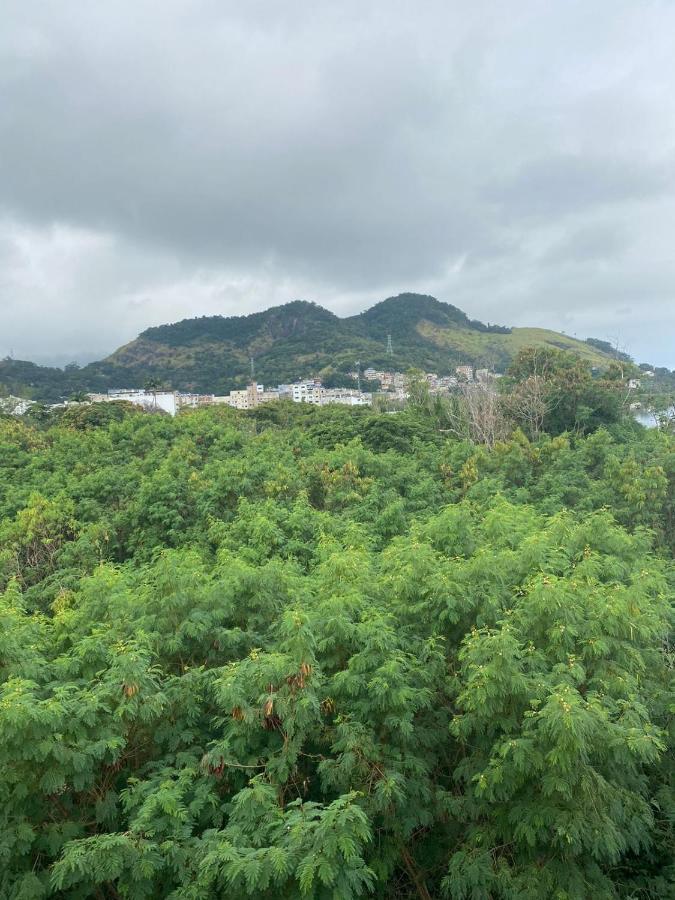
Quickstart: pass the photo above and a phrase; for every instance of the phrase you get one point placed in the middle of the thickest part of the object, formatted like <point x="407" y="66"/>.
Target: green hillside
<point x="300" y="339"/>
<point x="212" y="353"/>
<point x="498" y="349"/>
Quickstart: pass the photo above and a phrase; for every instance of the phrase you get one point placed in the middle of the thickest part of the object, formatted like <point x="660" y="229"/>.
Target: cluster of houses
<point x="311" y="391"/>
<point x="396" y="383"/>
<point x="250" y="397"/>
<point x="393" y="384"/>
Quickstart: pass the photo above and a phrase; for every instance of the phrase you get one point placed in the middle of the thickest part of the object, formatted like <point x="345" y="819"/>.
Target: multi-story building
<point x="306" y="391"/>
<point x="248" y="398"/>
<point x="239" y="399"/>
<point x="315" y="393"/>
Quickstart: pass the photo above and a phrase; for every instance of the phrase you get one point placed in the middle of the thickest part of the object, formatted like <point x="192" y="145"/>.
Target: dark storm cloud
<point x="166" y="159"/>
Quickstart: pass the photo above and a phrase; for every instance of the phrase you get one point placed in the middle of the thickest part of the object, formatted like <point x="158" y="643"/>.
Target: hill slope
<point x="212" y="353"/>
<point x="298" y="339"/>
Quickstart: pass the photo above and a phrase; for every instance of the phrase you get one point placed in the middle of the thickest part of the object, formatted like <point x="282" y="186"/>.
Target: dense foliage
<point x="333" y="653"/>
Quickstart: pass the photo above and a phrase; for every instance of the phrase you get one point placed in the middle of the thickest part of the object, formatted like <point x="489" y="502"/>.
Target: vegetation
<point x="337" y="653"/>
<point x="212" y="353"/>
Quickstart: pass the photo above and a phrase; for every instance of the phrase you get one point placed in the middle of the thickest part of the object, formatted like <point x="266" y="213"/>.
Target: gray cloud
<point x="601" y="242"/>
<point x="174" y="159"/>
<point x="571" y="185"/>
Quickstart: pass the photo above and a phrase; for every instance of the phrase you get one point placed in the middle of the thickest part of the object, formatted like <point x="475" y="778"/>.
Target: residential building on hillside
<point x="346" y="396"/>
<point x="249" y="397"/>
<point x="311" y="390"/>
<point x="305" y="391"/>
<point x="239" y="399"/>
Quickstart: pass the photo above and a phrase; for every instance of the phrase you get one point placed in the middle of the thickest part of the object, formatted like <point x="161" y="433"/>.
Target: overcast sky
<point x="160" y="160"/>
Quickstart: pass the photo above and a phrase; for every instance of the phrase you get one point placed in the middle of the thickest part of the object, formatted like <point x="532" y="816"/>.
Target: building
<point x="152" y="401"/>
<point x="347" y="397"/>
<point x="465" y="372"/>
<point x="238" y="399"/>
<point x="194" y="401"/>
<point x="249" y="397"/>
<point x="305" y="391"/>
<point x="315" y="393"/>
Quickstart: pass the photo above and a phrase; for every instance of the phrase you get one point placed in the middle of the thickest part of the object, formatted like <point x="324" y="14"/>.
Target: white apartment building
<point x="166" y="401"/>
<point x="306" y="391"/>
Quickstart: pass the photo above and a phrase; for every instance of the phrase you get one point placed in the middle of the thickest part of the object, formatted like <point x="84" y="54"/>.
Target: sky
<point x="162" y="159"/>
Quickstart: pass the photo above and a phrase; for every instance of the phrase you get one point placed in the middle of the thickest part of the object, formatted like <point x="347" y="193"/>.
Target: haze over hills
<point x="212" y="353"/>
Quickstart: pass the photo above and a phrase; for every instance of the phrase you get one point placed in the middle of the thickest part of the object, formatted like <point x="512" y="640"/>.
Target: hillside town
<point x="389" y="385"/>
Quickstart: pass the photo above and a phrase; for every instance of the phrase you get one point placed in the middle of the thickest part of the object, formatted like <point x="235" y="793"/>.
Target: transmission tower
<point x="358" y="374"/>
<point x="390" y="349"/>
<point x="252" y="370"/>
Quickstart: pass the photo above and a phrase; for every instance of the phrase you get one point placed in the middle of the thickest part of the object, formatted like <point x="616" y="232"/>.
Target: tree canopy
<point x="335" y="653"/>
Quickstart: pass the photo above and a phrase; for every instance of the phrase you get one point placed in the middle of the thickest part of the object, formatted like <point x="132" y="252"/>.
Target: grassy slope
<point x="478" y="346"/>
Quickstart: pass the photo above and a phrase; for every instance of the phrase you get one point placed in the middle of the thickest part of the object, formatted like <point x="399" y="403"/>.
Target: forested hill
<point x="212" y="353"/>
<point x="300" y="338"/>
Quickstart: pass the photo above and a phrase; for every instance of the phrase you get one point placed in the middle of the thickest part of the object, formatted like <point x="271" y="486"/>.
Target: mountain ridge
<point x="211" y="354"/>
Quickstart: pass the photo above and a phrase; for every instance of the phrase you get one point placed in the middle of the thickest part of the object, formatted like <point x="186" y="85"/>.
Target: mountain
<point x="212" y="353"/>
